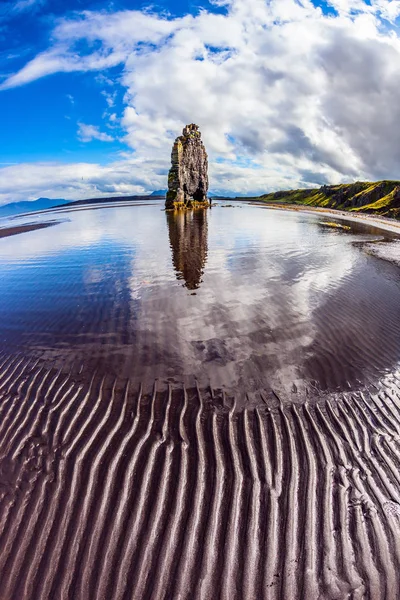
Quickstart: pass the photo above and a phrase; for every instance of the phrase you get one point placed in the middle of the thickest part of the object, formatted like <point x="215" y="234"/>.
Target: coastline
<point x="16" y="229"/>
<point x="385" y="249"/>
<point x="195" y="402"/>
<point x="379" y="222"/>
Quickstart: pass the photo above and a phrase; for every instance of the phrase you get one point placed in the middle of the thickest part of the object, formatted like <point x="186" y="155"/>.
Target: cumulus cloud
<point x="386" y="9"/>
<point x="77" y="180"/>
<point x="285" y="95"/>
<point x="87" y="133"/>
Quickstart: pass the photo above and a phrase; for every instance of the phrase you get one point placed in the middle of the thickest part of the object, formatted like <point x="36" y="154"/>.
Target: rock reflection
<point x="188" y="233"/>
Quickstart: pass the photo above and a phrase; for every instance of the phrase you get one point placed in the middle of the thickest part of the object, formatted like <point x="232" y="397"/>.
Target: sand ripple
<point x="110" y="492"/>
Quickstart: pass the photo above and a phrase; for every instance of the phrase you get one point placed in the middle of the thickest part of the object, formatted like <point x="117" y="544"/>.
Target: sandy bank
<point x="7" y="231"/>
<point x="373" y="220"/>
<point x="387" y="249"/>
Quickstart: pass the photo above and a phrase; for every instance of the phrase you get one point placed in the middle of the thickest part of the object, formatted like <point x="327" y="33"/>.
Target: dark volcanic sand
<point x="198" y="406"/>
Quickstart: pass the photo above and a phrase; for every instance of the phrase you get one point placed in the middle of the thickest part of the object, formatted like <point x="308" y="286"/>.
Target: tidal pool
<point x="197" y="405"/>
<point x="242" y="298"/>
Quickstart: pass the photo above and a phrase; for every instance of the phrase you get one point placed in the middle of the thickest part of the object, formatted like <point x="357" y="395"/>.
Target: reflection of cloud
<point x="276" y="277"/>
<point x="93" y="275"/>
<point x="266" y="275"/>
<point x="29" y="246"/>
<point x="258" y="318"/>
<point x="83" y="228"/>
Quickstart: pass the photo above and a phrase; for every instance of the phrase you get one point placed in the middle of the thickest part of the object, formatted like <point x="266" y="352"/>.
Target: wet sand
<point x="125" y="475"/>
<point x="388" y="250"/>
<point x="16" y="229"/>
<point x="110" y="493"/>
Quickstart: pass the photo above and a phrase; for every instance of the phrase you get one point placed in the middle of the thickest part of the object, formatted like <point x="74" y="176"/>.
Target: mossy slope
<point x="381" y="197"/>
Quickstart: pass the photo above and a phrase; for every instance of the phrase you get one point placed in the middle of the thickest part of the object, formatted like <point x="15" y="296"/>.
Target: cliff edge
<point x="381" y="197"/>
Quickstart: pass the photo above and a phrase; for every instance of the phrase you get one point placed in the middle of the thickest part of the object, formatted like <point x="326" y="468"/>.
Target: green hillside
<point x="381" y="197"/>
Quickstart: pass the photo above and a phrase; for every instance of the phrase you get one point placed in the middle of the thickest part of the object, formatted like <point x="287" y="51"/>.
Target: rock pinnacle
<point x="188" y="176"/>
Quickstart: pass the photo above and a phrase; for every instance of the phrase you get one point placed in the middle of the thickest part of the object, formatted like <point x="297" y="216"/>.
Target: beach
<point x="217" y="425"/>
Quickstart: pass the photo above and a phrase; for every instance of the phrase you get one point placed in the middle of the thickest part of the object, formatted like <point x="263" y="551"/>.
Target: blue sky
<point x="287" y="93"/>
<point x="47" y="130"/>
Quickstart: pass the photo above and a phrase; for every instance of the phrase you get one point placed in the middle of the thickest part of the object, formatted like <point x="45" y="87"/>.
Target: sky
<point x="287" y="93"/>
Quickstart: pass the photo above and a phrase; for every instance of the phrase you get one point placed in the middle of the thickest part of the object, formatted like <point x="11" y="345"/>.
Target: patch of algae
<point x="192" y="205"/>
<point x="335" y="225"/>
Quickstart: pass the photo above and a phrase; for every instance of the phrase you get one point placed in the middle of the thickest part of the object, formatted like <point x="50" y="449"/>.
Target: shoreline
<point x="16" y="229"/>
<point x="159" y="444"/>
<point x="384" y="223"/>
<point x="386" y="249"/>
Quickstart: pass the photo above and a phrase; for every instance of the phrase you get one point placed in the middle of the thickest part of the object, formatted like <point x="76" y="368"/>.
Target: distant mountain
<point x="380" y="197"/>
<point x="159" y="193"/>
<point x="17" y="208"/>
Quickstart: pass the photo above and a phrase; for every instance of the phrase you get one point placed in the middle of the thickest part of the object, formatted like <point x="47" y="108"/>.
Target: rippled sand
<point x="264" y="461"/>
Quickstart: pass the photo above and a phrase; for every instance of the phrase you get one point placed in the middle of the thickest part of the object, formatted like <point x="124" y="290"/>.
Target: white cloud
<point x="110" y="98"/>
<point x="285" y="95"/>
<point x="78" y="180"/>
<point x="24" y="5"/>
<point x="387" y="9"/>
<point x="87" y="133"/>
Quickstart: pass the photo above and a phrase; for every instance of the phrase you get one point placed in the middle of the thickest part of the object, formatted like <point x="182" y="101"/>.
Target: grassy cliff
<point x="381" y="197"/>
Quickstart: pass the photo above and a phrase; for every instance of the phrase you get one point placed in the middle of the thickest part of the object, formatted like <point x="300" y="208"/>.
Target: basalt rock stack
<point x="188" y="176"/>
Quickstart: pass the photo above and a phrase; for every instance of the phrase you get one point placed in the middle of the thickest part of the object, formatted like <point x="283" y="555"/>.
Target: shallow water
<point x="262" y="464"/>
<point x="242" y="298"/>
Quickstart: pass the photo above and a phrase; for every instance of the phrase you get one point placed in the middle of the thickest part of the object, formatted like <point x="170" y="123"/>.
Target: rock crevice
<point x="188" y="176"/>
